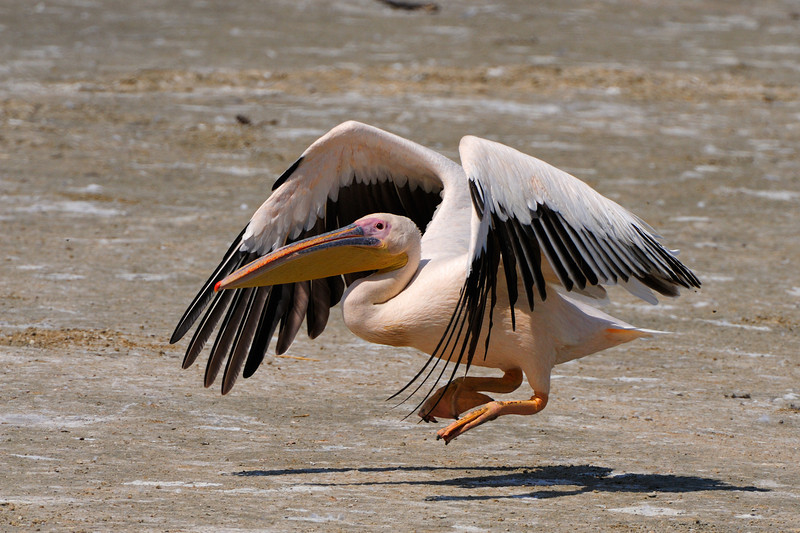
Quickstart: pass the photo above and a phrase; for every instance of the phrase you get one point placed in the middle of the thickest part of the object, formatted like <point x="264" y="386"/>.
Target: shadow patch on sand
<point x="571" y="480"/>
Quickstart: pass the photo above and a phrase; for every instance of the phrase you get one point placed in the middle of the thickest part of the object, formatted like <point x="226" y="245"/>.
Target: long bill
<point x="341" y="251"/>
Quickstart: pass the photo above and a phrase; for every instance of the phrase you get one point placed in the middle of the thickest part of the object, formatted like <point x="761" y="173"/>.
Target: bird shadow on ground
<point x="545" y="481"/>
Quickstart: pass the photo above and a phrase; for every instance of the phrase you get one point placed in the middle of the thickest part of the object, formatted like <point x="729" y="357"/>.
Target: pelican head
<point x="375" y="242"/>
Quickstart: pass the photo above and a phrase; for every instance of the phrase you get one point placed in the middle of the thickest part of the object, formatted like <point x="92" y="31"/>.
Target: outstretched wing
<point x="547" y="228"/>
<point x="531" y="209"/>
<point x="351" y="171"/>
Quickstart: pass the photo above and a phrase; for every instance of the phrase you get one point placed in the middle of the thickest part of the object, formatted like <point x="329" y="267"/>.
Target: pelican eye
<point x="380" y="226"/>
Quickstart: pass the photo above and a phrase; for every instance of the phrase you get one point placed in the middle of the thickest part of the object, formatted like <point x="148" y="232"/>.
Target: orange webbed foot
<point x="449" y="402"/>
<point x="462" y="394"/>
<point x="490" y="411"/>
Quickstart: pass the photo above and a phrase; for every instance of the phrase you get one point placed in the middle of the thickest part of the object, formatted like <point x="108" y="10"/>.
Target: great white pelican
<point x="473" y="264"/>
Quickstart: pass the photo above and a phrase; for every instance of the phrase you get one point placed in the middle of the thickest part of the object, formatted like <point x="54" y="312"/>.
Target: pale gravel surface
<point x="124" y="174"/>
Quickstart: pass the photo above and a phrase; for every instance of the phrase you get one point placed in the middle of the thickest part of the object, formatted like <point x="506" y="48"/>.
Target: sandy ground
<point x="124" y="174"/>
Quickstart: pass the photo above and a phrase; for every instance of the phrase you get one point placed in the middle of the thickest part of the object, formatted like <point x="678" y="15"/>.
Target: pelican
<point x="489" y="263"/>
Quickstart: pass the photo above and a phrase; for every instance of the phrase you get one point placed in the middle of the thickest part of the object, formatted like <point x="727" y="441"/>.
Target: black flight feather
<point x="230" y="262"/>
<point x="288" y="172"/>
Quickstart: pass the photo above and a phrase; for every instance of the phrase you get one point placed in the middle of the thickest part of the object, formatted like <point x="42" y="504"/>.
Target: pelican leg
<point x="462" y="394"/>
<point x="491" y="411"/>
